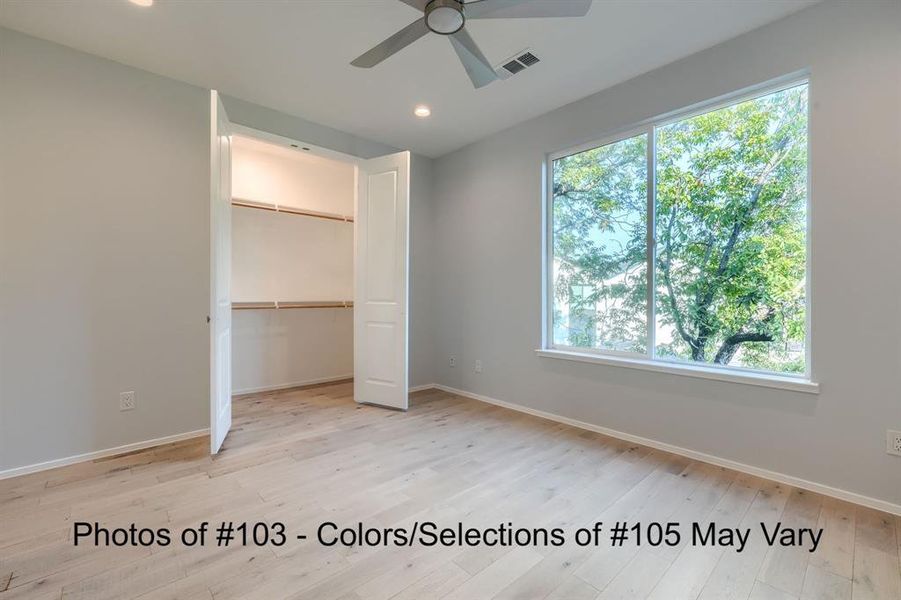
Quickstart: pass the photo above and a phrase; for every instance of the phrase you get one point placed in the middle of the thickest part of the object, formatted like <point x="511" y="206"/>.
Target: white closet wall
<point x="283" y="257"/>
<point x="279" y="175"/>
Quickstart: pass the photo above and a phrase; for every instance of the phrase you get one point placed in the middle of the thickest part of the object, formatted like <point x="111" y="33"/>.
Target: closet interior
<point x="292" y="266"/>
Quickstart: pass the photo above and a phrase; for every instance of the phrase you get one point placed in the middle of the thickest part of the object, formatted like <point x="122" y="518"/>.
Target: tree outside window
<point x="729" y="264"/>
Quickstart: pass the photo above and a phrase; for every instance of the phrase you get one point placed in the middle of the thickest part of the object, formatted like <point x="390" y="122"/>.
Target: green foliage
<point x="730" y="229"/>
<point x="600" y="202"/>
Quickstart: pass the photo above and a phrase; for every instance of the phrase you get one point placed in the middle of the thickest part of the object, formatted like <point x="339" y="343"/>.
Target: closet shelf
<point x="285" y="305"/>
<point x="291" y="210"/>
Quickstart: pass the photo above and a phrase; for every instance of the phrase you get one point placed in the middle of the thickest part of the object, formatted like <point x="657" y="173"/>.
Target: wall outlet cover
<point x="893" y="442"/>
<point x="478" y="366"/>
<point x="127" y="401"/>
<point x="453" y="361"/>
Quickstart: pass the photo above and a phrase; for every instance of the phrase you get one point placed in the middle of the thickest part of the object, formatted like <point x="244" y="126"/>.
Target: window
<point x="724" y="280"/>
<point x="600" y="247"/>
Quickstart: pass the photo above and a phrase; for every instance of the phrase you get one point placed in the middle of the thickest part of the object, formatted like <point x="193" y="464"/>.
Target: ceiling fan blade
<point x="420" y="4"/>
<point x="477" y="66"/>
<point x="526" y="9"/>
<point x="392" y="45"/>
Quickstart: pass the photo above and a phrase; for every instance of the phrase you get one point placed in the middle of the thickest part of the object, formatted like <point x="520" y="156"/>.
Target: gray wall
<point x="104" y="253"/>
<point x="422" y="274"/>
<point x="487" y="260"/>
<point x="104" y="249"/>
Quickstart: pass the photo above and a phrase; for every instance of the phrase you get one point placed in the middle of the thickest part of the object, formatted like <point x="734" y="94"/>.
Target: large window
<point x="686" y="240"/>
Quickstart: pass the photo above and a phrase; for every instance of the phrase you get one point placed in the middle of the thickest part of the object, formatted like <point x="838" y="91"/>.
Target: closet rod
<point x="285" y="305"/>
<point x="253" y="305"/>
<point x="290" y="210"/>
<point x="325" y="304"/>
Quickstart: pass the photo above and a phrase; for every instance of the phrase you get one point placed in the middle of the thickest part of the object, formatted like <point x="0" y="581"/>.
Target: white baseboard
<point x="71" y="460"/>
<point x="286" y="386"/>
<point x="422" y="388"/>
<point x="826" y="490"/>
<point x="811" y="486"/>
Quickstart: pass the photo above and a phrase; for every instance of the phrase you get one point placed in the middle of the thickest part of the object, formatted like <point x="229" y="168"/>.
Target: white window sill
<point x="781" y="382"/>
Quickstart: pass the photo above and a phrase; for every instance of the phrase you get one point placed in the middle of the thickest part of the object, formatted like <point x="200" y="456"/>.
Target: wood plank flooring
<point x="302" y="457"/>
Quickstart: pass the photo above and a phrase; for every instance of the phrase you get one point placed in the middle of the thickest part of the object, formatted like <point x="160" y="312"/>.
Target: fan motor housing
<point x="445" y="17"/>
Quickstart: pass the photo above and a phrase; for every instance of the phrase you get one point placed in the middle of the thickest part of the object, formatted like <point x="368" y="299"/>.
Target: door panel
<point x="220" y="272"/>
<point x="381" y="257"/>
<point x="381" y="366"/>
<point x="381" y="291"/>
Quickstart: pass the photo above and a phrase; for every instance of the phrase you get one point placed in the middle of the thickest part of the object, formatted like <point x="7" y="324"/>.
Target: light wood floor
<point x="305" y="456"/>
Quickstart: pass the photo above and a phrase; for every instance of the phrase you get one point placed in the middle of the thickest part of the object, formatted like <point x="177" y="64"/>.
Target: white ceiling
<point x="293" y="56"/>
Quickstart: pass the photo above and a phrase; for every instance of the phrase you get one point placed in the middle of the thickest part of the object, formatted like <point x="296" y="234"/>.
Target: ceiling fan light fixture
<point x="422" y="111"/>
<point x="448" y="18"/>
<point x="445" y="17"/>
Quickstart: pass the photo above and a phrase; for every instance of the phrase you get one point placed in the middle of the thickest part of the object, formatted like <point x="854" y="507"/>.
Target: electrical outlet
<point x="478" y="366"/>
<point x="126" y="401"/>
<point x="893" y="442"/>
<point x="453" y="361"/>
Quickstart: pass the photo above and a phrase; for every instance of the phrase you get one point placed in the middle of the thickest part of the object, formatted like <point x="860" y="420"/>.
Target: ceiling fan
<point x="448" y="18"/>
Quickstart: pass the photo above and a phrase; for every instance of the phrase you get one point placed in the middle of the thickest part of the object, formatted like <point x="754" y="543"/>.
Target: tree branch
<point x="667" y="280"/>
<point x="730" y="345"/>
<point x="704" y="329"/>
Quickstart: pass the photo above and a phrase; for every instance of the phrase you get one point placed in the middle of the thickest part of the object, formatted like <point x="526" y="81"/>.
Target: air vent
<point x="516" y="63"/>
<point x="528" y="59"/>
<point x="514" y="67"/>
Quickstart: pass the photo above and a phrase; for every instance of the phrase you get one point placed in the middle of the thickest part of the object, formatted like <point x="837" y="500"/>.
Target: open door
<point x="220" y="274"/>
<point x="381" y="275"/>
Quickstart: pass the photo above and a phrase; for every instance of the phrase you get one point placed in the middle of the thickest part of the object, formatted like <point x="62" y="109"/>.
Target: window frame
<point x="650" y="360"/>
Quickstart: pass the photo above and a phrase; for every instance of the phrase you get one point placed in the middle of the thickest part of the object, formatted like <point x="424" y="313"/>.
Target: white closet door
<point x="220" y="273"/>
<point x="381" y="290"/>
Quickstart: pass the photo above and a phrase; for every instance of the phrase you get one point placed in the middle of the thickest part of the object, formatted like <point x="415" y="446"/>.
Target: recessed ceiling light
<point x="422" y="111"/>
<point x="142" y="2"/>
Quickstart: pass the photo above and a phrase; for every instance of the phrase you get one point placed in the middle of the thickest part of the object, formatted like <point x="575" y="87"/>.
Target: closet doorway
<point x="310" y="246"/>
